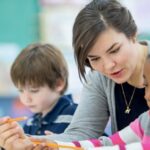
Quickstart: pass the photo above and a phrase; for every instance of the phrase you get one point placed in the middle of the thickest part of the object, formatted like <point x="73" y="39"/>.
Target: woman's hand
<point x="47" y="132"/>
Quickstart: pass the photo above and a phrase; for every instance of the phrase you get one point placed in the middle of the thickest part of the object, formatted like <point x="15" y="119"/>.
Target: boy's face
<point x="147" y="81"/>
<point x="39" y="100"/>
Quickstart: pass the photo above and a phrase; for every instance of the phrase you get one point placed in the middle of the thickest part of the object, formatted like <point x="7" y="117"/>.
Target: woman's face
<point x="114" y="55"/>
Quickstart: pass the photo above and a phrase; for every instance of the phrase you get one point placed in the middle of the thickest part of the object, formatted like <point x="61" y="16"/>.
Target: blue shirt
<point x="55" y="121"/>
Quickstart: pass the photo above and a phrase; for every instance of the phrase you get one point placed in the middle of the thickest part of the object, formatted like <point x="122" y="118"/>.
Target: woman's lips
<point x="117" y="74"/>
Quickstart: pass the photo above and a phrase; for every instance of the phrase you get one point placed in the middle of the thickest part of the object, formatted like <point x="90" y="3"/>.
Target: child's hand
<point x="41" y="147"/>
<point x="9" y="132"/>
<point x="19" y="144"/>
<point x="42" y="144"/>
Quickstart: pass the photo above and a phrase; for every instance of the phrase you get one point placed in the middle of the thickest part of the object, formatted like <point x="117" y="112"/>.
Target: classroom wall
<point x="19" y="21"/>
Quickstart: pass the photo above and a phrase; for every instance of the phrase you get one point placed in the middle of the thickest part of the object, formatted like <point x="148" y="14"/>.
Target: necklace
<point x="128" y="109"/>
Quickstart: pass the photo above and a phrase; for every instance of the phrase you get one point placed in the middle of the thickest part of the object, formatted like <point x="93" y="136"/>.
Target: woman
<point x="104" y="39"/>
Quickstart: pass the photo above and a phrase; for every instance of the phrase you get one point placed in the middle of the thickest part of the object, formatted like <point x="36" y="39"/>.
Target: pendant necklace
<point x="128" y="108"/>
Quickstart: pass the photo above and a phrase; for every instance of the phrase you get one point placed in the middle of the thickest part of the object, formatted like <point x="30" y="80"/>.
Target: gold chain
<point x="128" y="109"/>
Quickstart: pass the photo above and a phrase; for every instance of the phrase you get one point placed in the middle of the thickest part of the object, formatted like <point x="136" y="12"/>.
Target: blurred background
<point x="27" y="21"/>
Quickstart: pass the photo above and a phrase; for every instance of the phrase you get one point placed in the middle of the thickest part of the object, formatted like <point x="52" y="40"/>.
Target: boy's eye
<point x="20" y="90"/>
<point x="34" y="90"/>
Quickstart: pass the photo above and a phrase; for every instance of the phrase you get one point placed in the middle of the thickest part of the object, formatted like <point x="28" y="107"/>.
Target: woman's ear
<point x="134" y="38"/>
<point x="60" y="84"/>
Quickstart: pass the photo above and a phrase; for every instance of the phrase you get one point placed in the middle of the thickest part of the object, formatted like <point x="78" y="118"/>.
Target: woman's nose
<point x="109" y="64"/>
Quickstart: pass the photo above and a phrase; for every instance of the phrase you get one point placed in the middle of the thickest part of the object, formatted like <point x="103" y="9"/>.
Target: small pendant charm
<point x="127" y="111"/>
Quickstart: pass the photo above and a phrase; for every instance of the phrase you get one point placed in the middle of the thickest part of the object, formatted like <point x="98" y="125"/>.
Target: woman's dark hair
<point x="92" y="20"/>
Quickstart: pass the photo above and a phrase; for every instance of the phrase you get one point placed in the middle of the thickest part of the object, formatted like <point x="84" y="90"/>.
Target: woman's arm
<point x="131" y="134"/>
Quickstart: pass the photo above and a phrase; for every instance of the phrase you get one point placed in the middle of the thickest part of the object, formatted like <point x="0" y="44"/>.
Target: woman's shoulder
<point x="92" y="74"/>
<point x="97" y="78"/>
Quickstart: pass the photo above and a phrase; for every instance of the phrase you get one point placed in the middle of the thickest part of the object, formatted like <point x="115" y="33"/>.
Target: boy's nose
<point x="27" y="97"/>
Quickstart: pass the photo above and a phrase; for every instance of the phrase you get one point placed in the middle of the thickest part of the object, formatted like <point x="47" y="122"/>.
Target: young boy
<point x="40" y="73"/>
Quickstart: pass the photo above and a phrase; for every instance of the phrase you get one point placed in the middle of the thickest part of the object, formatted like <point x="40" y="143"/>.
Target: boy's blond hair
<point x="40" y="64"/>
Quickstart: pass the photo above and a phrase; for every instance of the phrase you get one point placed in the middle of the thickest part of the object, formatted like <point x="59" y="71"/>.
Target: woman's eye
<point x="116" y="50"/>
<point x="95" y="59"/>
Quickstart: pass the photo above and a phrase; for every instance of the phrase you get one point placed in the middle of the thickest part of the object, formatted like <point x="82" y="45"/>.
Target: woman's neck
<point x="137" y="77"/>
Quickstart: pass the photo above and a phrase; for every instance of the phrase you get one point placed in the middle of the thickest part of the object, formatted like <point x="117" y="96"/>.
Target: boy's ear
<point x="60" y="85"/>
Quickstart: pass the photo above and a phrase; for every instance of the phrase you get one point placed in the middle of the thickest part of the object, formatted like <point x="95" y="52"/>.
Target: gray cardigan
<point x="95" y="108"/>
